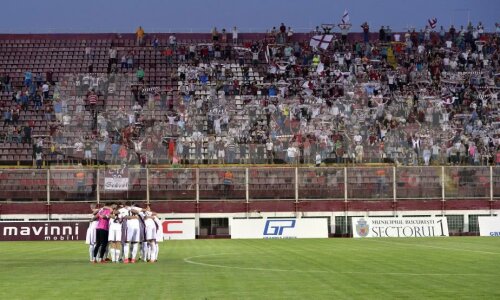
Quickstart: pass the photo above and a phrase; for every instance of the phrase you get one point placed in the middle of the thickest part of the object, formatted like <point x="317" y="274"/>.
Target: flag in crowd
<point x="321" y="41"/>
<point x="116" y="179"/>
<point x="345" y="18"/>
<point x="151" y="90"/>
<point x="432" y="22"/>
<point x="242" y="49"/>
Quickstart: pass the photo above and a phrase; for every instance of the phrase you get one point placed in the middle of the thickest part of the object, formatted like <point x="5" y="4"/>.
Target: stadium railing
<point x="252" y="184"/>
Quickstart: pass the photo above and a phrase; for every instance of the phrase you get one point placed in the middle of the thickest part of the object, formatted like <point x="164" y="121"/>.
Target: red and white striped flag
<point x="432" y="22"/>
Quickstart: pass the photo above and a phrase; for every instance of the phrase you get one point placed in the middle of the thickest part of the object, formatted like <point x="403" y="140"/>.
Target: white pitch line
<point x="435" y="247"/>
<point x="190" y="261"/>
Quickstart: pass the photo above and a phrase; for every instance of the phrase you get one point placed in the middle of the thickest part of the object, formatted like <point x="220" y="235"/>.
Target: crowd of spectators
<point x="416" y="98"/>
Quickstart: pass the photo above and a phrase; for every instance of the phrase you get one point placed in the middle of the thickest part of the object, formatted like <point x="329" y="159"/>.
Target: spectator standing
<point x="211" y="153"/>
<point x="88" y="53"/>
<point x="344" y="30"/>
<point x="92" y="101"/>
<point x="28" y="76"/>
<point x="130" y="60"/>
<point x="366" y="32"/>
<point x="156" y="43"/>
<point x="223" y="36"/>
<point x="269" y="151"/>
<point x="291" y="154"/>
<point x="318" y="159"/>
<point x="220" y="152"/>
<point x="38" y="79"/>
<point x="169" y="53"/>
<point x="140" y="75"/>
<point x="231" y="152"/>
<point x="36" y="98"/>
<point x="123" y="62"/>
<point x="139" y="33"/>
<point x="88" y="152"/>
<point x="381" y="34"/>
<point x="7" y="87"/>
<point x="172" y="41"/>
<point x="101" y="151"/>
<point x="115" y="147"/>
<point x="381" y="182"/>
<point x="7" y="117"/>
<point x="39" y="159"/>
<point x="45" y="91"/>
<point x="228" y="182"/>
<point x="113" y="60"/>
<point x="215" y="35"/>
<point x="289" y="34"/>
<point x="27" y="134"/>
<point x="235" y="35"/>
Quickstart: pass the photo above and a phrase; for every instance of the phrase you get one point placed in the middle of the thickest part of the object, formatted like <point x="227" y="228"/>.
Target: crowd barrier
<point x="251" y="183"/>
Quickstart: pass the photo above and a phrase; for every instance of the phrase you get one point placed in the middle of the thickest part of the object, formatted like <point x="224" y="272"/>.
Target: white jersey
<point x="135" y="229"/>
<point x="150" y="229"/>
<point x="133" y="223"/>
<point x="115" y="231"/>
<point x="159" y="232"/>
<point x="91" y="236"/>
<point x="122" y="213"/>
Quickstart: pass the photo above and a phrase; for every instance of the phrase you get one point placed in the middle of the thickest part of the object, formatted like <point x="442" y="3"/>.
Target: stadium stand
<point x="413" y="103"/>
<point x="422" y="105"/>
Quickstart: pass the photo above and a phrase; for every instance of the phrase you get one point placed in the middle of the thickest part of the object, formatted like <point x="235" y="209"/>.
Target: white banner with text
<point x="179" y="229"/>
<point x="399" y="227"/>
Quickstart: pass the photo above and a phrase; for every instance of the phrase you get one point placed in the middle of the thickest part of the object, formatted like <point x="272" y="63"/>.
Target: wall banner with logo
<point x="489" y="226"/>
<point x="399" y="227"/>
<point x="282" y="228"/>
<point x="43" y="231"/>
<point x="179" y="229"/>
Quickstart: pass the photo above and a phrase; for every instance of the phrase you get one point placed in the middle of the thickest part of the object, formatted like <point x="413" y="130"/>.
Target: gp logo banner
<point x="283" y="228"/>
<point x="276" y="227"/>
<point x="489" y="226"/>
<point x="399" y="227"/>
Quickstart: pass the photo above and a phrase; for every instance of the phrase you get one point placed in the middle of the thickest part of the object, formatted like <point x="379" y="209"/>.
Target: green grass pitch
<point x="438" y="268"/>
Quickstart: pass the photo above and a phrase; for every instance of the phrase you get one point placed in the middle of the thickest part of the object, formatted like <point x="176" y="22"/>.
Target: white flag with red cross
<point x="321" y="41"/>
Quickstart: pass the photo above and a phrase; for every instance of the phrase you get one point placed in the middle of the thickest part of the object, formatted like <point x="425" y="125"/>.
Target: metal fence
<point x="252" y="183"/>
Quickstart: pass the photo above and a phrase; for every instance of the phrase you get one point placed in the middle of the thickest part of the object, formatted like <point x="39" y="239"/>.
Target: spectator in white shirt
<point x="172" y="41"/>
<point x="292" y="154"/>
<point x="235" y="35"/>
<point x="45" y="90"/>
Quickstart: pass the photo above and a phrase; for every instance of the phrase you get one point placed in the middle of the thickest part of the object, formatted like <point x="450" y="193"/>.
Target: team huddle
<point x="121" y="231"/>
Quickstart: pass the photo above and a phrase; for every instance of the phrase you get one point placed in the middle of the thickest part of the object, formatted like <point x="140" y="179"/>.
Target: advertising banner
<point x="283" y="228"/>
<point x="43" y="231"/>
<point x="489" y="226"/>
<point x="399" y="227"/>
<point x="179" y="229"/>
